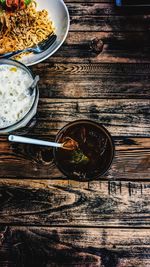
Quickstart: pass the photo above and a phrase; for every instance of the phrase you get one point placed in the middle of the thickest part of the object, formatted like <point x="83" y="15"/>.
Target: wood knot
<point x="46" y="156"/>
<point x="96" y="45"/>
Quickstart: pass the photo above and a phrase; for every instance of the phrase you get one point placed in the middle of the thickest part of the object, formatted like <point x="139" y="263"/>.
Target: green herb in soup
<point x="78" y="157"/>
<point x="91" y="157"/>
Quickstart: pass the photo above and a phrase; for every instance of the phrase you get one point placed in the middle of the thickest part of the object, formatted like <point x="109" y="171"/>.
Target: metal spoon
<point x="29" y="91"/>
<point x="25" y="140"/>
<point x="33" y="85"/>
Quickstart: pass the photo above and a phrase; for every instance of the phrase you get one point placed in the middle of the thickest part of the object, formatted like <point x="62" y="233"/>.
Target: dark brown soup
<point x="93" y="155"/>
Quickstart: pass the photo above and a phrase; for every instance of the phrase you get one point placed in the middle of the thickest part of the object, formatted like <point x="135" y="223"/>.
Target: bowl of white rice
<point x="17" y="106"/>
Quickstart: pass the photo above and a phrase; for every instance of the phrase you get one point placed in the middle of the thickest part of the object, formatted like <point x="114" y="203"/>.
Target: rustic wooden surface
<point x="49" y="220"/>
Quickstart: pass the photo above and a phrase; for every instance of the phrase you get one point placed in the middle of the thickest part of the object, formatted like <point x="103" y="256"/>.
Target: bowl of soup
<point x="92" y="153"/>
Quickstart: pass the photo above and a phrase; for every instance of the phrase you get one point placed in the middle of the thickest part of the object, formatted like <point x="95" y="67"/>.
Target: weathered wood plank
<point x="120" y="69"/>
<point x="96" y="80"/>
<point x="92" y="9"/>
<point x="105" y="17"/>
<point x="118" y="47"/>
<point x="108" y="204"/>
<point x="132" y="160"/>
<point x="40" y="247"/>
<point x="89" y="1"/>
<point x="98" y="9"/>
<point x="121" y="117"/>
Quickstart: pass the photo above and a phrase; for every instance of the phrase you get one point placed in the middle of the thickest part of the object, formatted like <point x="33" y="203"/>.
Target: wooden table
<point x="49" y="220"/>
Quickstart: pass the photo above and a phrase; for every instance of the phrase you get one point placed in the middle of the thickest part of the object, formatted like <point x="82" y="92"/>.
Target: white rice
<point x="14" y="100"/>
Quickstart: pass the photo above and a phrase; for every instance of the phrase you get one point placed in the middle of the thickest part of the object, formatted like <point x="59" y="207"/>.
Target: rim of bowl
<point x="64" y="38"/>
<point x="96" y="123"/>
<point x="14" y="62"/>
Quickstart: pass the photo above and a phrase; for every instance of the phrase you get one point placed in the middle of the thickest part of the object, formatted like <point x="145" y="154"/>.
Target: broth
<point x="93" y="155"/>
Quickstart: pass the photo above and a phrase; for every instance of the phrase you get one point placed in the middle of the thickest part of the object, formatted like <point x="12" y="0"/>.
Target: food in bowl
<point x="12" y="5"/>
<point x="93" y="155"/>
<point x="59" y="15"/>
<point x="22" y="26"/>
<point x="17" y="104"/>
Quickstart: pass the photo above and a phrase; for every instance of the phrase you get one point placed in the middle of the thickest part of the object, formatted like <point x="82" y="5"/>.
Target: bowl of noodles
<point x="25" y="27"/>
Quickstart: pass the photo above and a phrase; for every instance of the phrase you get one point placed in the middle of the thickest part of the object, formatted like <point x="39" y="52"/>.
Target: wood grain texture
<point x="132" y="160"/>
<point x="89" y="1"/>
<point x="121" y="117"/>
<point x="105" y="17"/>
<point x="55" y="247"/>
<point x="107" y="204"/>
<point x="96" y="80"/>
<point x="86" y="9"/>
<point x="48" y="220"/>
<point x="118" y="47"/>
<point x="129" y="117"/>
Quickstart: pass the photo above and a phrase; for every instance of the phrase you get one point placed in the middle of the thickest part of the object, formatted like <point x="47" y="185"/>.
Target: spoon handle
<point x="21" y="139"/>
<point x="35" y="81"/>
<point x="30" y="90"/>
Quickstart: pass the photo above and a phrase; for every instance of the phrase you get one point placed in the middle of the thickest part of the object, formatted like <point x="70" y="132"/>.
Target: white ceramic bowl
<point x="59" y="14"/>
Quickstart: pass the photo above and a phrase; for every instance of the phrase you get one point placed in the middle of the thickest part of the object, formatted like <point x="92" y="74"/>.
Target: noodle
<point x="24" y="28"/>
